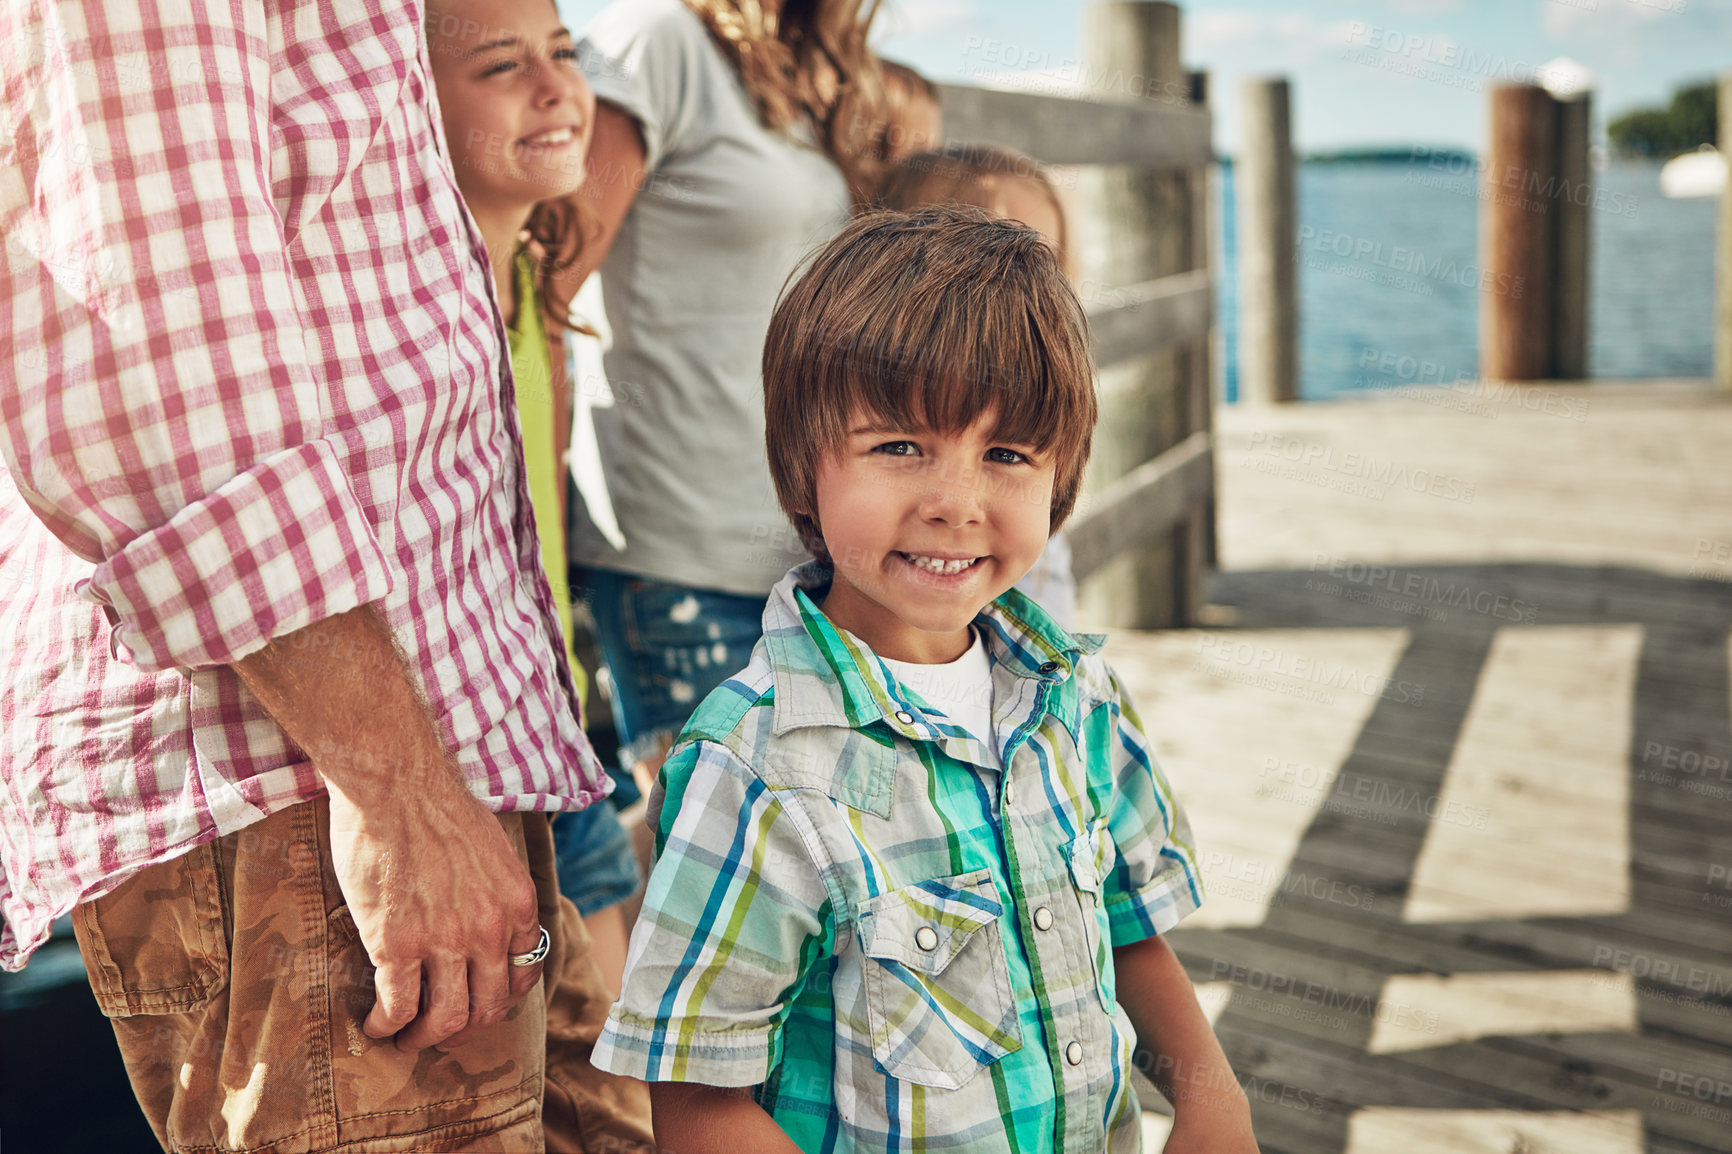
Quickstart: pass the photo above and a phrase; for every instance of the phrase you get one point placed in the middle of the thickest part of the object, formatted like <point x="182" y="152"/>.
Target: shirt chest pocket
<point x="938" y="996"/>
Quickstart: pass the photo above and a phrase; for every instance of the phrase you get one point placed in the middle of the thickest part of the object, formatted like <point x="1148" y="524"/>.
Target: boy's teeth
<point x="557" y="136"/>
<point x="934" y="565"/>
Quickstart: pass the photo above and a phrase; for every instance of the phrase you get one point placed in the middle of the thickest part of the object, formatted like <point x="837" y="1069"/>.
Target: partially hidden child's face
<point x="1027" y="201"/>
<point x="918" y="126"/>
<point x="518" y="114"/>
<point x="925" y="529"/>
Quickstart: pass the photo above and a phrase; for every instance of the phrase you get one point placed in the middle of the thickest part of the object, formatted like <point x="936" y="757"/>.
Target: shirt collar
<point x="824" y="675"/>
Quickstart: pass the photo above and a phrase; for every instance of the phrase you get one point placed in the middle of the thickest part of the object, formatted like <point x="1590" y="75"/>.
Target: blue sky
<point x="1364" y="72"/>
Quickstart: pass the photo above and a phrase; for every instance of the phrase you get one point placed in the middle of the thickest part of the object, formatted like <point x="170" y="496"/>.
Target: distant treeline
<point x="1407" y="154"/>
<point x="1692" y="119"/>
<point x="1413" y="154"/>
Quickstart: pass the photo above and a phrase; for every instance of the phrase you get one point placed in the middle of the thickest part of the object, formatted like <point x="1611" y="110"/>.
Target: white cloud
<point x="1233" y="37"/>
<point x="1564" y="78"/>
<point x="1213" y="30"/>
<point x="1605" y="19"/>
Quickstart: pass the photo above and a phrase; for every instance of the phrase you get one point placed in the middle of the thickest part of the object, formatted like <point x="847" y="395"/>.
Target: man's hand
<point x="435" y="887"/>
<point x="440" y="898"/>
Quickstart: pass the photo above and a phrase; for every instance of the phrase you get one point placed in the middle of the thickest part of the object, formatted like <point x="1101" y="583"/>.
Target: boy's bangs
<point x="978" y="352"/>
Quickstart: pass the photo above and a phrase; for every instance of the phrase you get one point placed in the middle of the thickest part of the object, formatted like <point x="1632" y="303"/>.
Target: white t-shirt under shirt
<point x="961" y="688"/>
<point x="726" y="211"/>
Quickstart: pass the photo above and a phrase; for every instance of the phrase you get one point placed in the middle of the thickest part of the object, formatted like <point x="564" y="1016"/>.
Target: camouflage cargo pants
<point x="237" y="986"/>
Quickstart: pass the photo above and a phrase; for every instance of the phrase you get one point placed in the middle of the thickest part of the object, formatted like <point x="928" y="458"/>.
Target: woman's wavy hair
<point x="809" y="62"/>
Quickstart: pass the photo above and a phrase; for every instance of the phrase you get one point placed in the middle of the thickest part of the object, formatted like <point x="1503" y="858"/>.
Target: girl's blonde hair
<point x="966" y="174"/>
<point x="808" y="61"/>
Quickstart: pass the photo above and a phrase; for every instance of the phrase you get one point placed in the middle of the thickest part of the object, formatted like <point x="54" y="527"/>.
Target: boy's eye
<point x="1005" y="456"/>
<point x="502" y="66"/>
<point x="896" y="448"/>
<point x="565" y="54"/>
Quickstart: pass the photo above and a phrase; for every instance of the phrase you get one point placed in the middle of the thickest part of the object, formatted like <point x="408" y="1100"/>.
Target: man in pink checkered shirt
<point x="284" y="706"/>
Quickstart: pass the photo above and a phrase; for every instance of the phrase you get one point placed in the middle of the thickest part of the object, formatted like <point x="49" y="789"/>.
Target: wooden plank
<point x="1442" y="1009"/>
<point x="1147" y="501"/>
<point x="1383" y="1128"/>
<point x="1060" y="130"/>
<point x="1544" y="755"/>
<point x="1135" y="320"/>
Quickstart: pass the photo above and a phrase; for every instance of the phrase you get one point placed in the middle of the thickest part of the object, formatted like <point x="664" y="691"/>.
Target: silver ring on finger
<point x="535" y="955"/>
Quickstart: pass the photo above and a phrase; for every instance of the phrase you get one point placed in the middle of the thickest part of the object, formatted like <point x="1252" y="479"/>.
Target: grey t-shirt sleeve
<point x="645" y="57"/>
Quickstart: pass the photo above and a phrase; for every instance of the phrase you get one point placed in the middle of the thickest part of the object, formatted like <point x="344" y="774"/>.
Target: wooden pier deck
<point x="1457" y="747"/>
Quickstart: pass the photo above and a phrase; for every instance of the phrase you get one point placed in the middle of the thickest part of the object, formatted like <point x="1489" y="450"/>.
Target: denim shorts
<point x="666" y="647"/>
<point x="596" y="862"/>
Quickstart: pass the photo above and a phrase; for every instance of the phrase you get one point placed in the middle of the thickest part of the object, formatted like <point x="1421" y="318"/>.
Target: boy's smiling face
<point x="927" y="528"/>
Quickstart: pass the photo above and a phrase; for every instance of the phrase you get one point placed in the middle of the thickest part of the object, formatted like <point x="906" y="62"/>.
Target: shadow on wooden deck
<point x="1308" y="992"/>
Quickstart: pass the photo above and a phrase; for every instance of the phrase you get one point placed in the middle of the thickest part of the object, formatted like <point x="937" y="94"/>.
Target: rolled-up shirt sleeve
<point x="1154" y="882"/>
<point x="735" y="917"/>
<point x="161" y="411"/>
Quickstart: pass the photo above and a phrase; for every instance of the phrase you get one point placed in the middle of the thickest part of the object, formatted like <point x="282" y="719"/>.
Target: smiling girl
<point x="518" y="117"/>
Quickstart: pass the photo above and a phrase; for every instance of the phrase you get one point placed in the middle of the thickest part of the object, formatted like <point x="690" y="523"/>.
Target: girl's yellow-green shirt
<point x="533" y="372"/>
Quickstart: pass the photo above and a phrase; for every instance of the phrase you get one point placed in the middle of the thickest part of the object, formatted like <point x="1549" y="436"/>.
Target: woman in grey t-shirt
<point x="729" y="137"/>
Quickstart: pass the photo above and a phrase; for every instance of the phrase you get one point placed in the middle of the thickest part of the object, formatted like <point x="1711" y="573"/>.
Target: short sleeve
<point x="734" y="917"/>
<point x="646" y="57"/>
<point x="1155" y="883"/>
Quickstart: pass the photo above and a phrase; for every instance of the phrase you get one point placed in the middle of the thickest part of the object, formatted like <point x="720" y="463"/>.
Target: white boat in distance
<point x="1699" y="173"/>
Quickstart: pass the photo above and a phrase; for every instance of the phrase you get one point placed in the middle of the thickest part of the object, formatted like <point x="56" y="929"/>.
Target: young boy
<point x="913" y="859"/>
<point x="1007" y="184"/>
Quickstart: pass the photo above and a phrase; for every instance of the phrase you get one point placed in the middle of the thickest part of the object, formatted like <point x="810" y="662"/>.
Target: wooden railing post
<point x="1267" y="235"/>
<point x="1138" y="226"/>
<point x="1723" y="308"/>
<point x="1198" y="539"/>
<point x="1142" y="542"/>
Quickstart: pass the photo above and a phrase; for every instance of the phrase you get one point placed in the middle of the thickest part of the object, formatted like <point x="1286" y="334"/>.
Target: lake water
<point x="1388" y="277"/>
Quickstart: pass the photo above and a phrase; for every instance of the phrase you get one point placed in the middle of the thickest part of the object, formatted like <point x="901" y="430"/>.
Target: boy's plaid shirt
<point x="854" y="907"/>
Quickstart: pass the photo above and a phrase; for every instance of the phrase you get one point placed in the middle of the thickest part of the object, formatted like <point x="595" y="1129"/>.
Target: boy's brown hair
<point x="927" y="319"/>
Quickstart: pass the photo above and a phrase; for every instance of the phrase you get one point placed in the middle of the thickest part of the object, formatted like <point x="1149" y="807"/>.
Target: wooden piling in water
<point x="1518" y="252"/>
<point x="1723" y="264"/>
<point x="1570" y="287"/>
<point x="1535" y="236"/>
<point x="1267" y="235"/>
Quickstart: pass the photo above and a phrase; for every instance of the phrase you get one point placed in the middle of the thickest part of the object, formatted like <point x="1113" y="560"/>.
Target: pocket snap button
<point x="1049" y="667"/>
<point x="904" y="717"/>
<point x="1043" y="918"/>
<point x="926" y="938"/>
<point x="1073" y="1053"/>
